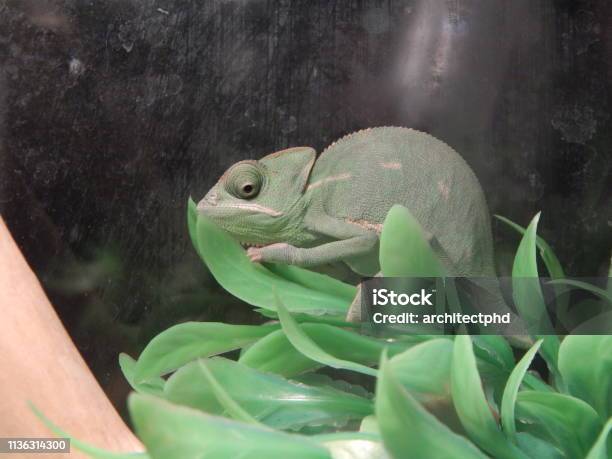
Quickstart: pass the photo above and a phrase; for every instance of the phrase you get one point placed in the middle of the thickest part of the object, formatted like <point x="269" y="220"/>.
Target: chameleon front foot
<point x="273" y="253"/>
<point x="254" y="254"/>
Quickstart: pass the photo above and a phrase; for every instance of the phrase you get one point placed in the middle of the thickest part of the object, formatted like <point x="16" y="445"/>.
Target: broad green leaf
<point x="230" y="406"/>
<point x="528" y="296"/>
<point x="314" y="281"/>
<point x="560" y="419"/>
<point x="548" y="256"/>
<point x="424" y="369"/>
<point x="92" y="451"/>
<point x="495" y="350"/>
<point x="254" y="283"/>
<point x="345" y="435"/>
<point x="185" y="342"/>
<point x="303" y="343"/>
<point x="495" y="361"/>
<point x="271" y="399"/>
<point x="600" y="292"/>
<point x="471" y="403"/>
<point x="585" y="363"/>
<point x="408" y="430"/>
<point x="153" y="386"/>
<point x="404" y="250"/>
<point x="173" y="431"/>
<point x="537" y="448"/>
<point x="275" y="354"/>
<point x="553" y="266"/>
<point x="533" y="381"/>
<point x="327" y="319"/>
<point x="326" y="382"/>
<point x="304" y="277"/>
<point x="600" y="447"/>
<point x="493" y="379"/>
<point x="512" y="388"/>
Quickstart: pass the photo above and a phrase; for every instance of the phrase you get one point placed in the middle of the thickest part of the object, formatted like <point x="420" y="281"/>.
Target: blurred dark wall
<point x="113" y="112"/>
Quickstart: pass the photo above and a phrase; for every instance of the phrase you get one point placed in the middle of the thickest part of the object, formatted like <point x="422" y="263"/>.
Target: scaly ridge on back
<point x="352" y="135"/>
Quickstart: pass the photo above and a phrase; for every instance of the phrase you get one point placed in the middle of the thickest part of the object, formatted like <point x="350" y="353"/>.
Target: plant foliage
<point x="434" y="396"/>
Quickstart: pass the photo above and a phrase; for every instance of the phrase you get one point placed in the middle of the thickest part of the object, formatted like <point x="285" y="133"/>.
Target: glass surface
<point x="112" y="113"/>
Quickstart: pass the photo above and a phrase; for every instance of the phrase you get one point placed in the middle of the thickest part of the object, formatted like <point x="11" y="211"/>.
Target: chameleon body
<point x="291" y="207"/>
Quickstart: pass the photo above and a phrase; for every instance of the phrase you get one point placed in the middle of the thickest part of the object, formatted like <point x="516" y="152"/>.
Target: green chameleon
<point x="294" y="208"/>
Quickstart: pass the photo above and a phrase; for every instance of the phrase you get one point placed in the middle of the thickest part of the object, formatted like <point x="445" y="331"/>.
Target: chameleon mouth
<point x="254" y="208"/>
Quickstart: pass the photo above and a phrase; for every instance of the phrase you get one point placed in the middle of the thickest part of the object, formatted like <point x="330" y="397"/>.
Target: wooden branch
<point x="39" y="363"/>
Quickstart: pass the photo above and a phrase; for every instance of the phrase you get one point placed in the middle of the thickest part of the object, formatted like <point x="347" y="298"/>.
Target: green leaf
<point x="585" y="363"/>
<point x="495" y="361"/>
<point x="185" y="342"/>
<point x="275" y="354"/>
<point x="339" y="321"/>
<point x="314" y="281"/>
<point x="495" y="350"/>
<point x="345" y="435"/>
<point x="600" y="292"/>
<point x="172" y="431"/>
<point x="254" y="283"/>
<point x="537" y="448"/>
<point x="153" y="386"/>
<point x="91" y="451"/>
<point x="303" y="343"/>
<point x="408" y="430"/>
<point x="600" y="448"/>
<point x="533" y="381"/>
<point x="269" y="398"/>
<point x="471" y="403"/>
<point x="424" y="369"/>
<point x="561" y="419"/>
<point x="548" y="256"/>
<point x="512" y="388"/>
<point x="227" y="402"/>
<point x="404" y="250"/>
<point x="528" y="295"/>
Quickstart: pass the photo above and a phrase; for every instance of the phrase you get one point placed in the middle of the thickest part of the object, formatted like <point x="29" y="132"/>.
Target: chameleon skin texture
<point x="291" y="207"/>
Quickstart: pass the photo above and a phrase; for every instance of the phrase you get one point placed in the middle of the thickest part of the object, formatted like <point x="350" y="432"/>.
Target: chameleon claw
<point x="275" y="253"/>
<point x="254" y="254"/>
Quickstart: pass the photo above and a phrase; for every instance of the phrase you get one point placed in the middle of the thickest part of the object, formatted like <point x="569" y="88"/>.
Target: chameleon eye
<point x="244" y="180"/>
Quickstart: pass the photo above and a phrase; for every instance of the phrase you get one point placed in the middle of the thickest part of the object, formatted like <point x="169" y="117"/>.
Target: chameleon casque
<point x="294" y="208"/>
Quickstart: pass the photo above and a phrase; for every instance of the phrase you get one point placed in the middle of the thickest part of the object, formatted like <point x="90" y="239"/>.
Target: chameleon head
<point x="259" y="202"/>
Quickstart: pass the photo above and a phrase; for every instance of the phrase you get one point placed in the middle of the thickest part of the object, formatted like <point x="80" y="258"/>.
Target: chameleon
<point x="294" y="208"/>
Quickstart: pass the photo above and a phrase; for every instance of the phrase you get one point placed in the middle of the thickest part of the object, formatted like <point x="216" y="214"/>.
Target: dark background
<point x="113" y="112"/>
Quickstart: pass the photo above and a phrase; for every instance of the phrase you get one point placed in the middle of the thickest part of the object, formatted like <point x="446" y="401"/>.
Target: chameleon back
<point x="361" y="176"/>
